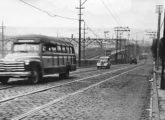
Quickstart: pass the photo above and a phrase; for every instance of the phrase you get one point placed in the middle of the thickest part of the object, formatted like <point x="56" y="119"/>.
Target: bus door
<point x="47" y="57"/>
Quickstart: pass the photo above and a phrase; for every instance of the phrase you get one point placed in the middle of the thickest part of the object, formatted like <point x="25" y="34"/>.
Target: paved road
<point x="124" y="97"/>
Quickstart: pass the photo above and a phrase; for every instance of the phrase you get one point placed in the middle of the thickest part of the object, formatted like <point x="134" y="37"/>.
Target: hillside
<point x="92" y="53"/>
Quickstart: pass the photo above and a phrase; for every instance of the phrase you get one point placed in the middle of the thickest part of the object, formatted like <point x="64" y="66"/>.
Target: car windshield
<point x="26" y="47"/>
<point x="103" y="59"/>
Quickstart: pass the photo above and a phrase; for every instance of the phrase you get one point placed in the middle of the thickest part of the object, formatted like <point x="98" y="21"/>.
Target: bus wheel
<point x="35" y="76"/>
<point x="4" y="80"/>
<point x="108" y="67"/>
<point x="64" y="75"/>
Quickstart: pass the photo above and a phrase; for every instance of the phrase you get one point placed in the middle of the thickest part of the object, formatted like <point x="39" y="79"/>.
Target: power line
<point x="110" y="12"/>
<point x="51" y="15"/>
<point x="113" y="10"/>
<point x="83" y="3"/>
<point x="92" y="31"/>
<point x="97" y="36"/>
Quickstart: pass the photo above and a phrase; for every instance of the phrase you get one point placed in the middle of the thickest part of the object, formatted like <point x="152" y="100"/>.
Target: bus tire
<point x="64" y="75"/>
<point x="108" y="67"/>
<point x="4" y="80"/>
<point x="35" y="76"/>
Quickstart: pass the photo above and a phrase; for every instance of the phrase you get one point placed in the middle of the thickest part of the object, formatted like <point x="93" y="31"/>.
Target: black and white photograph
<point x="82" y="59"/>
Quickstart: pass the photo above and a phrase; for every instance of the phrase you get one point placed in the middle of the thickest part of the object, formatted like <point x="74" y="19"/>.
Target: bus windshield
<point x="26" y="47"/>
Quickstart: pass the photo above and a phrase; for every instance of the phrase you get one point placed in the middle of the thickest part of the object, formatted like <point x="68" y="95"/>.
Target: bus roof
<point x="43" y="39"/>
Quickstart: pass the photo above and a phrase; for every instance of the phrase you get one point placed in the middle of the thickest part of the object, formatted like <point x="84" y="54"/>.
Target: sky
<point x="135" y="14"/>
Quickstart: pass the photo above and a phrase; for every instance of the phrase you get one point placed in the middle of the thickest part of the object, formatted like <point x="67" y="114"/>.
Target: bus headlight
<point x="27" y="62"/>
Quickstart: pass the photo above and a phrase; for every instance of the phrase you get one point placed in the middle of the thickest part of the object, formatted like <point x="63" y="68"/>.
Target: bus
<point x="36" y="56"/>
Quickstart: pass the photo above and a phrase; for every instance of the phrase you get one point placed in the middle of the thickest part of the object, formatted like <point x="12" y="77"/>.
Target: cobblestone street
<point x="124" y="97"/>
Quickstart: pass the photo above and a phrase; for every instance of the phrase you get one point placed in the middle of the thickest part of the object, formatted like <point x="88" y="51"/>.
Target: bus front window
<point x="26" y="47"/>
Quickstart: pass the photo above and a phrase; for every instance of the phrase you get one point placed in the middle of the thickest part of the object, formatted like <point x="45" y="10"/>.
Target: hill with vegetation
<point x="94" y="53"/>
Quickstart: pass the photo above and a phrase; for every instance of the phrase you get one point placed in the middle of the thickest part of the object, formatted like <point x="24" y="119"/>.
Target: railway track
<point x="33" y="111"/>
<point x="79" y="84"/>
<point x="80" y="73"/>
<point x="54" y="86"/>
<point x="6" y="87"/>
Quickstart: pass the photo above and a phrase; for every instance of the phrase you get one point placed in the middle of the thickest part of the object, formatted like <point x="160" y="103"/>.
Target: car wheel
<point x="4" y="80"/>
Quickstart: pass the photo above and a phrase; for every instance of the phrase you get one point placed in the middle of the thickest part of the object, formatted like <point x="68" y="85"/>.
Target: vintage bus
<point x="35" y="56"/>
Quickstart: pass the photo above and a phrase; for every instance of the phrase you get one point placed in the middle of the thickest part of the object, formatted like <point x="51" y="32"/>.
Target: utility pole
<point x="79" y="43"/>
<point x="119" y="31"/>
<point x="2" y="41"/>
<point x="164" y="25"/>
<point x="79" y="60"/>
<point x="159" y="9"/>
<point x="136" y="48"/>
<point x="106" y="40"/>
<point x="151" y="34"/>
<point x="84" y="41"/>
<point x="116" y="56"/>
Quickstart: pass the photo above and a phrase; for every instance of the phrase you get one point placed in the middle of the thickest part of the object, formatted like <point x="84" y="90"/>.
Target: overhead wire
<point x="55" y="15"/>
<point x="51" y="15"/>
<point x="114" y="17"/>
<point x="92" y="31"/>
<point x="83" y="2"/>
<point x="110" y="12"/>
<point x="117" y="17"/>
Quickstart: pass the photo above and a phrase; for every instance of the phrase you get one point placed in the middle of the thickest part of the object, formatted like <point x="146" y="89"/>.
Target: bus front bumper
<point x="15" y="74"/>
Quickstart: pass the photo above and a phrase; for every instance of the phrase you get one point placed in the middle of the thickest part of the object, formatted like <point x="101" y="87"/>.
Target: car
<point x="104" y="62"/>
<point x="133" y="60"/>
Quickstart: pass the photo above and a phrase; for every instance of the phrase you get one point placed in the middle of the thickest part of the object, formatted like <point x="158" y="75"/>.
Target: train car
<point x="35" y="56"/>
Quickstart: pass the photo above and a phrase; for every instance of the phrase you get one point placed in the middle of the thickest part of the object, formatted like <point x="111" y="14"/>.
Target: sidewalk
<point x="158" y="99"/>
<point x="161" y="100"/>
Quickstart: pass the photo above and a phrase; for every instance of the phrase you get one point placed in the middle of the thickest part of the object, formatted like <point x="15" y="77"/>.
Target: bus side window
<point x="63" y="49"/>
<point x="58" y="48"/>
<point x="54" y="48"/>
<point x="67" y="48"/>
<point x="72" y="50"/>
<point x="50" y="49"/>
<point x="45" y="48"/>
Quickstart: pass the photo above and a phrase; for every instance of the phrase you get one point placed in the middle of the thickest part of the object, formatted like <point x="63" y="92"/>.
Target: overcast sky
<point x="136" y="14"/>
